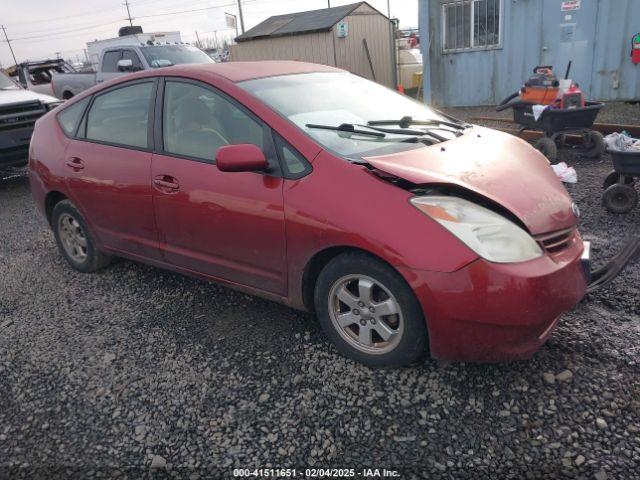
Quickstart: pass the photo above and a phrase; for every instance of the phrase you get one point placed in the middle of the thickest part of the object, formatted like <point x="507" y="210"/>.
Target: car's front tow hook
<point x="606" y="273"/>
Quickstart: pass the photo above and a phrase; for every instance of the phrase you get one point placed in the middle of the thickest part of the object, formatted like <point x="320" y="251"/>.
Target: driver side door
<point x="227" y="225"/>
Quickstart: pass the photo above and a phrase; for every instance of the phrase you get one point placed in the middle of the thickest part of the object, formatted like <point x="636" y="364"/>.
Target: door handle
<point x="75" y="163"/>
<point x="166" y="183"/>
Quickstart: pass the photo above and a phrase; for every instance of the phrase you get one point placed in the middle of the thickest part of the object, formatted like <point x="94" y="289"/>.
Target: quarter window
<point x="69" y="117"/>
<point x="121" y="116"/>
<point x="471" y="24"/>
<point x="294" y="164"/>
<point x="197" y="121"/>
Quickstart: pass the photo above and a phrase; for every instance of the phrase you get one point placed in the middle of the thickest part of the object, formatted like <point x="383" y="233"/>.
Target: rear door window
<point x="70" y="117"/>
<point x="110" y="61"/>
<point x="121" y="116"/>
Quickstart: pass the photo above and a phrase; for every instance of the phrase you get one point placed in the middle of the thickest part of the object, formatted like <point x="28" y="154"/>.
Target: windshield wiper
<point x="348" y="128"/>
<point x="407" y="121"/>
<point x="380" y="132"/>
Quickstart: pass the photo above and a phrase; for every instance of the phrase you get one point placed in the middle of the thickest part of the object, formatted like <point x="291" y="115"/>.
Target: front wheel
<point x="620" y="198"/>
<point x="369" y="312"/>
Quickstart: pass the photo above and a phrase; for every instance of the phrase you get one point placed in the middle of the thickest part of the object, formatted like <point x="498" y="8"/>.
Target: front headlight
<point x="52" y="105"/>
<point x="487" y="233"/>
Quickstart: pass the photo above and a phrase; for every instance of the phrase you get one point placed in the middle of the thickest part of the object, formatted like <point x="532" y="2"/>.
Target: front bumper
<point x="496" y="312"/>
<point x="14" y="146"/>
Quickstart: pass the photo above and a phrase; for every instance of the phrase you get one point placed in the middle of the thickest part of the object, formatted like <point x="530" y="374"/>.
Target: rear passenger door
<point x="109" y="168"/>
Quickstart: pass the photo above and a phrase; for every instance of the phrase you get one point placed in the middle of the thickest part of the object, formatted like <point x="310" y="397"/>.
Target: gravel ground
<point x="139" y="372"/>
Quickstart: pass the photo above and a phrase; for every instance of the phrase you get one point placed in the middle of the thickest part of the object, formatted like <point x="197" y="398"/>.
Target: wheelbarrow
<point x="556" y="123"/>
<point x="620" y="195"/>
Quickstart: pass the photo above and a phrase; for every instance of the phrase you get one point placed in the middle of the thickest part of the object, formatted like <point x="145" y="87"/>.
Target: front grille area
<point x="556" y="241"/>
<point x="22" y="115"/>
<point x="19" y="108"/>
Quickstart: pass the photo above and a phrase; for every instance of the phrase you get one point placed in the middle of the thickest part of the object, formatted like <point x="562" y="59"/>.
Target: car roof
<point x="240" y="71"/>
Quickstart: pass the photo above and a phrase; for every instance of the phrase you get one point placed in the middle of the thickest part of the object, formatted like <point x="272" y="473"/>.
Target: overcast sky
<point x="40" y="28"/>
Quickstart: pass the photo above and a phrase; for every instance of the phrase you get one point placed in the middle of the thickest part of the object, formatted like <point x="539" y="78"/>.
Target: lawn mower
<point x="555" y="108"/>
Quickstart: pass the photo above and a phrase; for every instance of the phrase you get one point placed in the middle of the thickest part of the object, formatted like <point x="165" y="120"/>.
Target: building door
<point x="568" y="33"/>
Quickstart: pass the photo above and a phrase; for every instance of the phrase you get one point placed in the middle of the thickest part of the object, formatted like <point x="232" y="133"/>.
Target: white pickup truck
<point x="123" y="59"/>
<point x="19" y="110"/>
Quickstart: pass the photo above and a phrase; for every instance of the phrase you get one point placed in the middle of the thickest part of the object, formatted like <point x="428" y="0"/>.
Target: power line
<point x="185" y="11"/>
<point x="62" y="32"/>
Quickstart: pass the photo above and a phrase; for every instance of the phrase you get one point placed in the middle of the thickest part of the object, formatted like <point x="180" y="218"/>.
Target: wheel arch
<point x="320" y="259"/>
<point x="51" y="200"/>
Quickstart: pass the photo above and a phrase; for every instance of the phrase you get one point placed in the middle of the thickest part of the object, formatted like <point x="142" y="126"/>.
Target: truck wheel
<point x="548" y="148"/>
<point x="67" y="95"/>
<point x="613" y="177"/>
<point x="74" y="239"/>
<point x="620" y="198"/>
<point x="594" y="144"/>
<point x="369" y="312"/>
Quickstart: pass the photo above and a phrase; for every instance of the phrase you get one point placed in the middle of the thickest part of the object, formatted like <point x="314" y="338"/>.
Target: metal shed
<point x="355" y="37"/>
<point x="476" y="52"/>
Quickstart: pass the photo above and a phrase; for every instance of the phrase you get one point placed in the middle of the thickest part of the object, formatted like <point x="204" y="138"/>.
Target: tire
<point x="69" y="229"/>
<point x="620" y="198"/>
<point x="594" y="144"/>
<point x="406" y="330"/>
<point x="560" y="141"/>
<point x="548" y="148"/>
<point x="613" y="177"/>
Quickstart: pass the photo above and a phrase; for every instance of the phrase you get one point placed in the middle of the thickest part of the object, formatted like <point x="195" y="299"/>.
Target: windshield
<point x="6" y="83"/>
<point x="167" y="55"/>
<point x="341" y="98"/>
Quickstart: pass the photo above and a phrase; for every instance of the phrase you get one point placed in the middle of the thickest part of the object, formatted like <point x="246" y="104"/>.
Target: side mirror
<point x="125" y="65"/>
<point x="242" y="157"/>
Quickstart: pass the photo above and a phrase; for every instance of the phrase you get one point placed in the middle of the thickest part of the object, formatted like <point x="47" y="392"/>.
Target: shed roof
<point x="300" y="22"/>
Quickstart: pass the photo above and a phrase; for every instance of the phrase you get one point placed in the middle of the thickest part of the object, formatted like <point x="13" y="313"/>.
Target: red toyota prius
<point x="402" y="228"/>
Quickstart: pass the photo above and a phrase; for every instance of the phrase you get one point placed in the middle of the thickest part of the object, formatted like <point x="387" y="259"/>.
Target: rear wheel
<point x="548" y="148"/>
<point x="369" y="312"/>
<point x="620" y="198"/>
<point x="74" y="240"/>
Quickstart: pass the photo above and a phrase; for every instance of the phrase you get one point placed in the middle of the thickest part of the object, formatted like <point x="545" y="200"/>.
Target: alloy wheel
<point x="72" y="237"/>
<point x="366" y="314"/>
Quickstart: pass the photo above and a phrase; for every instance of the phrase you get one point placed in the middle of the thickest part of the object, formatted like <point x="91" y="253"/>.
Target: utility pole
<point x="241" y="16"/>
<point x="328" y="3"/>
<point x="126" y="4"/>
<point x="394" y="47"/>
<point x="9" y="43"/>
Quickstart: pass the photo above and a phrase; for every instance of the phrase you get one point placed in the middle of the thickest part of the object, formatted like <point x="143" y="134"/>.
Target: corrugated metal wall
<point x="597" y="37"/>
<point x="328" y="49"/>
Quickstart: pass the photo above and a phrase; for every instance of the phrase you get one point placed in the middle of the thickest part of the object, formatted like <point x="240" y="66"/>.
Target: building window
<point x="471" y="25"/>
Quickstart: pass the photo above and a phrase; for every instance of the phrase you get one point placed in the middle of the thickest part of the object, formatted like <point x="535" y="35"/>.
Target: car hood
<point x="496" y="165"/>
<point x="19" y="96"/>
